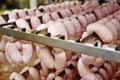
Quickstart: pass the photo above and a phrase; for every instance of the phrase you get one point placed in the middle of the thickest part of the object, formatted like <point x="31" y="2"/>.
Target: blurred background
<point x="18" y="4"/>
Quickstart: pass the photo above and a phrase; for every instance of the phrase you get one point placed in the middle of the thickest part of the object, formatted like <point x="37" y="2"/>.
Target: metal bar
<point x="64" y="44"/>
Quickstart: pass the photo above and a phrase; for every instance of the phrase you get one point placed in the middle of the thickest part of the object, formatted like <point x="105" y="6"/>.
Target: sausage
<point x="38" y="13"/>
<point x="69" y="27"/>
<point x="19" y="77"/>
<point x="12" y="52"/>
<point x="109" y="69"/>
<point x="53" y="30"/>
<point x="46" y="8"/>
<point x="84" y="71"/>
<point x="99" y="61"/>
<point x="88" y="18"/>
<point x="52" y="8"/>
<point x="50" y="76"/>
<point x="60" y="58"/>
<point x="100" y="30"/>
<point x="12" y="15"/>
<point x="24" y="69"/>
<point x="44" y="71"/>
<point x="58" y="78"/>
<point x="98" y="77"/>
<point x="92" y="17"/>
<point x="68" y="74"/>
<point x="31" y="12"/>
<point x="104" y="74"/>
<point x="57" y="6"/>
<point x="12" y="75"/>
<point x="34" y="74"/>
<point x="45" y="53"/>
<point x="68" y="54"/>
<point x="22" y="23"/>
<point x="68" y="12"/>
<point x="46" y="17"/>
<point x="55" y="16"/>
<point x="22" y="13"/>
<point x="73" y="10"/>
<point x="87" y="59"/>
<point x="35" y="22"/>
<point x="114" y="65"/>
<point x="83" y="21"/>
<point x="63" y="13"/>
<point x="77" y="26"/>
<point x="3" y="42"/>
<point x="98" y="13"/>
<point x="63" y="31"/>
<point x="42" y="27"/>
<point x="113" y="30"/>
<point x="2" y="57"/>
<point x="116" y="24"/>
<point x="27" y="51"/>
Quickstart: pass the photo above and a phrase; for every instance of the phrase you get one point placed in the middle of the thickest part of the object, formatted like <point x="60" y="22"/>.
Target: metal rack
<point x="85" y="46"/>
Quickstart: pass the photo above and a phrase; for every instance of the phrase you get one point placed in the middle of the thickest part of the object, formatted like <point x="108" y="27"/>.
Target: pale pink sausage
<point x="60" y="58"/>
<point x="34" y="73"/>
<point x="116" y="24"/>
<point x="31" y="12"/>
<point x="92" y="17"/>
<point x="46" y="8"/>
<point x="46" y="17"/>
<point x="22" y="13"/>
<point x="62" y="5"/>
<point x="100" y="30"/>
<point x="84" y="71"/>
<point x="52" y="8"/>
<point x="53" y="30"/>
<point x="41" y="27"/>
<point x="88" y="18"/>
<point x="12" y="15"/>
<point x="35" y="22"/>
<point x="73" y="10"/>
<point x="50" y="76"/>
<point x="77" y="26"/>
<point x="27" y="51"/>
<point x="63" y="13"/>
<point x="19" y="77"/>
<point x="18" y="44"/>
<point x="113" y="30"/>
<point x="78" y="8"/>
<point x="69" y="27"/>
<point x="57" y="6"/>
<point x="12" y="75"/>
<point x="45" y="70"/>
<point x="83" y="21"/>
<point x="55" y="16"/>
<point x="22" y="23"/>
<point x="68" y="12"/>
<point x="38" y="13"/>
<point x="62" y="29"/>
<point x="24" y="69"/>
<point x="13" y="54"/>
<point x="45" y="52"/>
<point x="98" y="13"/>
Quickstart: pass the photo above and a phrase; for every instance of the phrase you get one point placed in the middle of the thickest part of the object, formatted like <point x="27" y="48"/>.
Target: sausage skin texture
<point x="103" y="32"/>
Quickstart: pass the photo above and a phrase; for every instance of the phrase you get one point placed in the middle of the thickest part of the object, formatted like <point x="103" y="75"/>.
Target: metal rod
<point x="64" y="44"/>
